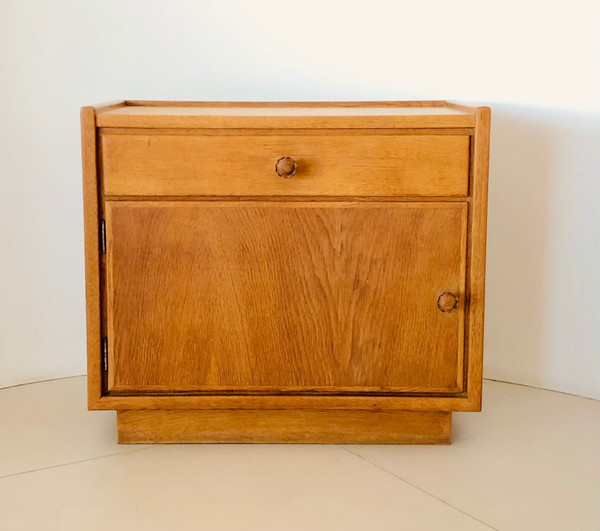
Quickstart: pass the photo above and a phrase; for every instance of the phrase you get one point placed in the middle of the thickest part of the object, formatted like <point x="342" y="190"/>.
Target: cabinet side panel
<point x="92" y="272"/>
<point x="476" y="272"/>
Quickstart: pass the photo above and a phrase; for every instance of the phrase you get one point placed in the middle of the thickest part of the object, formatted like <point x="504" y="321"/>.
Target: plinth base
<point x="284" y="426"/>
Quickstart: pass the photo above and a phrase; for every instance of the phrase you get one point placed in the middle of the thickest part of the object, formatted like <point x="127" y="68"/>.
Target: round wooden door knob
<point x="447" y="302"/>
<point x="286" y="167"/>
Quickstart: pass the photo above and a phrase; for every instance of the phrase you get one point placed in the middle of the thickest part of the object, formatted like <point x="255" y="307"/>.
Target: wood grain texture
<point x="288" y="111"/>
<point x="321" y="115"/>
<point x="311" y="402"/>
<point x="155" y="165"/>
<point x="273" y="426"/>
<point x="293" y="198"/>
<point x="285" y="296"/>
<point x="92" y="258"/>
<point x="476" y="271"/>
<point x="254" y="131"/>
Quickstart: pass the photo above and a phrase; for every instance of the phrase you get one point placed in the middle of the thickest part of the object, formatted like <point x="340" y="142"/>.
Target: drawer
<point x="386" y="165"/>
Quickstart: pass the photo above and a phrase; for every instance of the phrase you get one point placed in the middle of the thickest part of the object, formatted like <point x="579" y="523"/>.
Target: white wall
<point x="537" y="64"/>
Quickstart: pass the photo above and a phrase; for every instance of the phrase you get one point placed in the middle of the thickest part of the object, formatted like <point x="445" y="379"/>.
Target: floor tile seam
<point x="420" y="489"/>
<point x="540" y="389"/>
<point x="42" y="381"/>
<point x="69" y="463"/>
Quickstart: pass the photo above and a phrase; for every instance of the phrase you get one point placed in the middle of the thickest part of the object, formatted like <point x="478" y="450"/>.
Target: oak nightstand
<point x="285" y="272"/>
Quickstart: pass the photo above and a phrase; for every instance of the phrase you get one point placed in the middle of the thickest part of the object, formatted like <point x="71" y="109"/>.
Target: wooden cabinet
<point x="285" y="272"/>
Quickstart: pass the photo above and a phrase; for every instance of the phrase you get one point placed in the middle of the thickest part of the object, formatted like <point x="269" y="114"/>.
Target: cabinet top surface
<point x="285" y="115"/>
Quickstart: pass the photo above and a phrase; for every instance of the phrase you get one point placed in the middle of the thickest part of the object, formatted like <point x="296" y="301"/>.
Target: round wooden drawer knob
<point x="447" y="302"/>
<point x="286" y="167"/>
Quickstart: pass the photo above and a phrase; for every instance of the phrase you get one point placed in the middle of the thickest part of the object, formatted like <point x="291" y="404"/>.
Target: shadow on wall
<point x="543" y="269"/>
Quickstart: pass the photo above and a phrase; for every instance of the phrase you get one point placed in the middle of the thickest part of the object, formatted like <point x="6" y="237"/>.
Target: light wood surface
<point x="321" y="115"/>
<point x="304" y="401"/>
<point x="273" y="426"/>
<point x="182" y="165"/>
<point x="280" y="111"/>
<point x="476" y="259"/>
<point x="244" y="295"/>
<point x="257" y="131"/>
<point x="92" y="253"/>
<point x="108" y="106"/>
<point x="287" y="104"/>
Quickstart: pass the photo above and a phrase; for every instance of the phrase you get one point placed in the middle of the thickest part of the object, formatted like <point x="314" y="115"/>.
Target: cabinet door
<point x="285" y="296"/>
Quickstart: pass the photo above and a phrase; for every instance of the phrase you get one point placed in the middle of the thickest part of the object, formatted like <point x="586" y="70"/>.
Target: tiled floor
<point x="530" y="461"/>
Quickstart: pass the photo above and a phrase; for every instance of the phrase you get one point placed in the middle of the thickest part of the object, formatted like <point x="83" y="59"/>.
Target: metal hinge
<point x="103" y="235"/>
<point x="105" y="354"/>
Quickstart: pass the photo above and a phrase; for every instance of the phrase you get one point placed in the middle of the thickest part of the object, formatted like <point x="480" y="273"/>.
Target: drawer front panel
<point x="285" y="297"/>
<point x="244" y="165"/>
